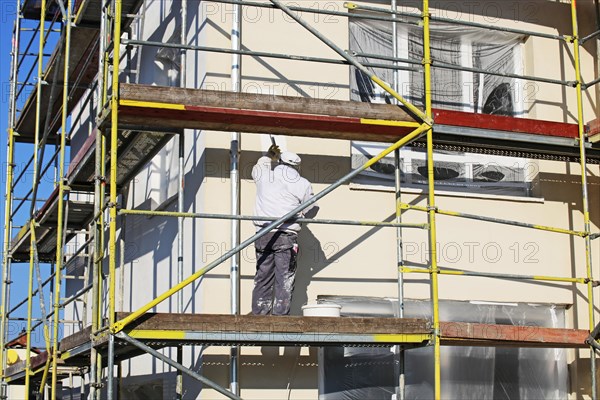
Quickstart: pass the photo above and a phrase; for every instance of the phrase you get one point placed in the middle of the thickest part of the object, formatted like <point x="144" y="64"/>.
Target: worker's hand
<point x="274" y="152"/>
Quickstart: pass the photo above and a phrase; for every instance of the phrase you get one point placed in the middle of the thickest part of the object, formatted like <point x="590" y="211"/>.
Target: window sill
<point x="445" y="193"/>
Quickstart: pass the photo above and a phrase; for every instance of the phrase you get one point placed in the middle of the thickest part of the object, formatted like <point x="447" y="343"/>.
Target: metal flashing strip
<point x="508" y="136"/>
<point x="82" y="349"/>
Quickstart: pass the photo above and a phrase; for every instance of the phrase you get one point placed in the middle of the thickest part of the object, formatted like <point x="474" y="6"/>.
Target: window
<point x="453" y="171"/>
<point x="466" y="91"/>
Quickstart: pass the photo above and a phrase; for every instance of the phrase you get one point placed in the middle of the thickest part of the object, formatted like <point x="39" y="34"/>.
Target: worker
<point x="279" y="190"/>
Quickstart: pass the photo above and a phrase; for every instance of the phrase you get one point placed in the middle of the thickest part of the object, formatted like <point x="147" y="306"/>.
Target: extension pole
<point x="584" y="188"/>
<point x="61" y="206"/>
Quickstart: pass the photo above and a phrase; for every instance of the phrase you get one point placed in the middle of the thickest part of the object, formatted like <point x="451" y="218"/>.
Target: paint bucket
<point x="321" y="310"/>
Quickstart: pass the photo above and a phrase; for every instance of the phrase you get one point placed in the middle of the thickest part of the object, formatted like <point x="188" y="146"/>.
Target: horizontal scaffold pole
<point x="588" y="37"/>
<point x="496" y="220"/>
<point x="175" y="214"/>
<point x="498" y="275"/>
<point x="264" y="54"/>
<point x="119" y="325"/>
<point x="590" y="84"/>
<point x="443" y="65"/>
<point x="354" y="6"/>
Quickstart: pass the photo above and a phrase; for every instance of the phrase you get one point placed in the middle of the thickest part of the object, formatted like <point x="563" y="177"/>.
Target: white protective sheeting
<point x="451" y="89"/>
<point x="450" y="44"/>
<point x="467" y="372"/>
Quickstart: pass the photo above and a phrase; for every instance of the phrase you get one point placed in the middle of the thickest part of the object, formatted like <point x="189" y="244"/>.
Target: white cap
<point x="287" y="157"/>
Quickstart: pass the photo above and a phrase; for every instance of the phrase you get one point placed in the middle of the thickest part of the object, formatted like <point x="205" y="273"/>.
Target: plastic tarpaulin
<point x="467" y="372"/>
<point x="450" y="44"/>
<point x="451" y="89"/>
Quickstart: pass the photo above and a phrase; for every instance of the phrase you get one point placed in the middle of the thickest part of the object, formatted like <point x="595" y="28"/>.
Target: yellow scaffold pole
<point x="6" y="259"/>
<point x="431" y="204"/>
<point x="114" y="130"/>
<point x="61" y="194"/>
<point x="28" y="371"/>
<point x="406" y="206"/>
<point x="584" y="187"/>
<point x="112" y="240"/>
<point x="32" y="244"/>
<point x="8" y="198"/>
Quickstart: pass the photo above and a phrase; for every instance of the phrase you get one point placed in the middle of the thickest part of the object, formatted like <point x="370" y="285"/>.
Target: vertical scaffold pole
<point x="38" y="110"/>
<point x="61" y="195"/>
<point x="99" y="193"/>
<point x="400" y="393"/>
<point x="8" y="197"/>
<point x="431" y="204"/>
<point x="584" y="188"/>
<point x="181" y="166"/>
<point x="234" y="176"/>
<point x="180" y="191"/>
<point x="114" y="130"/>
<point x="28" y="371"/>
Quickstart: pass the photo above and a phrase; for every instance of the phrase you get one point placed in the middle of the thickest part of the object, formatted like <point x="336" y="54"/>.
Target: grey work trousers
<point x="276" y="255"/>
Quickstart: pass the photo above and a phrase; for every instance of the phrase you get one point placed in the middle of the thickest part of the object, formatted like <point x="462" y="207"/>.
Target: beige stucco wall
<point x="361" y="261"/>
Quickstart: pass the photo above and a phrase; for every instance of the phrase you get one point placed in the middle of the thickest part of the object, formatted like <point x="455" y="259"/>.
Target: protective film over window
<point x="461" y="90"/>
<point x="470" y="372"/>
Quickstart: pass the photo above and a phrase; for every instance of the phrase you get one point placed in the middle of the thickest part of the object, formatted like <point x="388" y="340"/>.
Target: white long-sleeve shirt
<point x="279" y="191"/>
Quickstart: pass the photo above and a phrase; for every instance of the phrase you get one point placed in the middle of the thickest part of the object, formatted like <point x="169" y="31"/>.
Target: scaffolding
<point x="91" y="43"/>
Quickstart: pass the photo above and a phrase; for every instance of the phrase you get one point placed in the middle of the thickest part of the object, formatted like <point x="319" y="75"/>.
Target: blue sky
<point x="7" y="17"/>
<point x="19" y="288"/>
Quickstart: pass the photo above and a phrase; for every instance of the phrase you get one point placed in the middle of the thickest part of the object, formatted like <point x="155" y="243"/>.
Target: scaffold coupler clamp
<point x="434" y="333"/>
<point x="432" y="208"/>
<point x="593" y="337"/>
<point x="594" y="283"/>
<point x="100" y="178"/>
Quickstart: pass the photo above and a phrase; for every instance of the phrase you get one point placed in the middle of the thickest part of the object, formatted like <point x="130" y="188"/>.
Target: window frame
<point x="468" y="161"/>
